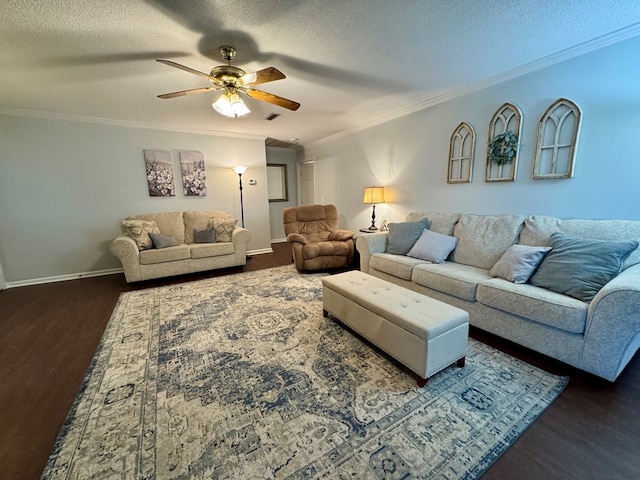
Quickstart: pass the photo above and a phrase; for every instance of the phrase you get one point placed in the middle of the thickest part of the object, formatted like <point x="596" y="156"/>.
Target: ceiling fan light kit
<point x="234" y="80"/>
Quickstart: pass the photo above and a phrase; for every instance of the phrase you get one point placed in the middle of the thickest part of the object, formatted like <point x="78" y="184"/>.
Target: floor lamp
<point x="240" y="169"/>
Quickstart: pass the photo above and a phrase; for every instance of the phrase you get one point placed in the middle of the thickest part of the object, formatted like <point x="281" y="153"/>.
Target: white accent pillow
<point x="433" y="246"/>
<point x="518" y="263"/>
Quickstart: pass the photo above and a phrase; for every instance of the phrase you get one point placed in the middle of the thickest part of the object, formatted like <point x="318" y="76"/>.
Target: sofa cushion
<point x="537" y="230"/>
<point x="203" y="250"/>
<point x="403" y="235"/>
<point x="580" y="267"/>
<point x="139" y="231"/>
<point x="433" y="246"/>
<point x="482" y="239"/>
<point x="534" y="303"/>
<point x="439" y="222"/>
<point x="518" y="263"/>
<point x="396" y="265"/>
<point x="208" y="235"/>
<point x="224" y="228"/>
<point x="168" y="223"/>
<point x="169" y="254"/>
<point x="162" y="241"/>
<point x="200" y="221"/>
<point x="450" y="278"/>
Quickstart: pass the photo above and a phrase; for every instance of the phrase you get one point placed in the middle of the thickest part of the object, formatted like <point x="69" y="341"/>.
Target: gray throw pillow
<point x="580" y="267"/>
<point x="433" y="246"/>
<point x="208" y="235"/>
<point x="518" y="263"/>
<point x="403" y="235"/>
<point x="162" y="241"/>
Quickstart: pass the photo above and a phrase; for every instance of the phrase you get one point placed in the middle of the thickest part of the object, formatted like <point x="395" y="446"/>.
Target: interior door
<point x="306" y="178"/>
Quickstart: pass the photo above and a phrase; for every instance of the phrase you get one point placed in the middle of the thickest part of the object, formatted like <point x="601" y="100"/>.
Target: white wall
<point x="409" y="154"/>
<point x="285" y="156"/>
<point x="66" y="185"/>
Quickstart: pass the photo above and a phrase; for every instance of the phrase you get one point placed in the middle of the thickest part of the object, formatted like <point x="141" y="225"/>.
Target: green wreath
<point x="503" y="148"/>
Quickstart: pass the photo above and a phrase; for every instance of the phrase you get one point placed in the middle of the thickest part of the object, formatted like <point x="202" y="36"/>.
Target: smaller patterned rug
<point x="241" y="377"/>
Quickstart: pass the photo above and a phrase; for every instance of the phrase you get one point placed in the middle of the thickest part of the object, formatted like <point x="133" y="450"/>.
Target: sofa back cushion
<point x="439" y="222"/>
<point x="537" y="230"/>
<point x="483" y="239"/>
<point x="168" y="223"/>
<point x="200" y="221"/>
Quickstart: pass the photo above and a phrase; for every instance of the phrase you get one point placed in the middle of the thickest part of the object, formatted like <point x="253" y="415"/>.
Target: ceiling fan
<point x="232" y="80"/>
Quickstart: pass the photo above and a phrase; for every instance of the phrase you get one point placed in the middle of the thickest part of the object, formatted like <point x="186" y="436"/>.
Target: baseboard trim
<point x="63" y="278"/>
<point x="97" y="273"/>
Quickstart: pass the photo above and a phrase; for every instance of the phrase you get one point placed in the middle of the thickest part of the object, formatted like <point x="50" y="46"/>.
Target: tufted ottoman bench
<point x="422" y="333"/>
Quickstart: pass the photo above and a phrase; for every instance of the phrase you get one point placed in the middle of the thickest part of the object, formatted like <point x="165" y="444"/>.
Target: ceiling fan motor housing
<point x="227" y="74"/>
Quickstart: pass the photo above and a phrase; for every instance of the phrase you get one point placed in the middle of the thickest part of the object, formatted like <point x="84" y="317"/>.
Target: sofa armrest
<point x="341" y="235"/>
<point x="612" y="334"/>
<point x="126" y="250"/>
<point x="367" y="245"/>
<point x="240" y="237"/>
<point x="296" y="237"/>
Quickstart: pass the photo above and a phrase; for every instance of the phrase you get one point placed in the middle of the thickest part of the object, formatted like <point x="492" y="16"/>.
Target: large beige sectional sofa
<point x="599" y="336"/>
<point x="185" y="257"/>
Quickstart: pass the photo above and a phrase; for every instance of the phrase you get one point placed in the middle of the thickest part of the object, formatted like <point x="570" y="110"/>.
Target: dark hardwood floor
<point x="48" y="335"/>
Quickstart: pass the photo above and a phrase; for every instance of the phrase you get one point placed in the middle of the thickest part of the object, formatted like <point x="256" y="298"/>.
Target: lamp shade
<point x="373" y="195"/>
<point x="240" y="169"/>
<point x="230" y="105"/>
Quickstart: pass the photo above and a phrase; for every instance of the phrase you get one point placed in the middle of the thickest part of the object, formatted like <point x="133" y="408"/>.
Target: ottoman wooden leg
<point x="421" y="381"/>
<point x="461" y="362"/>
<point x="325" y="314"/>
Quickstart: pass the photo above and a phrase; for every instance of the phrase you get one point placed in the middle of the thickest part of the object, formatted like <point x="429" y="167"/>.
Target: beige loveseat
<point x="185" y="257"/>
<point x="599" y="336"/>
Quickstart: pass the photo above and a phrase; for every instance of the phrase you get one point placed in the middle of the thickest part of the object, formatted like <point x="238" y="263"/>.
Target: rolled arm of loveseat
<point x="369" y="244"/>
<point x="126" y="250"/>
<point x="612" y="334"/>
<point x="240" y="237"/>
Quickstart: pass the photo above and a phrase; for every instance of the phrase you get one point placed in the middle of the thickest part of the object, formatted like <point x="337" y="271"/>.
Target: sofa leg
<point x="460" y="362"/>
<point x="422" y="381"/>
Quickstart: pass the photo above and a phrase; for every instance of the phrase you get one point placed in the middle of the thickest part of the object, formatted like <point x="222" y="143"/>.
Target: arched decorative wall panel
<point x="506" y="120"/>
<point x="461" y="154"/>
<point x="557" y="141"/>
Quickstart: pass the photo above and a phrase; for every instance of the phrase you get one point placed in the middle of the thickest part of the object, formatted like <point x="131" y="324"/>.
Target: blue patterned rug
<point x="241" y="377"/>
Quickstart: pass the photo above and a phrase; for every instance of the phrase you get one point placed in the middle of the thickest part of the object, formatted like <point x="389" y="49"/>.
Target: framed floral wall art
<point x="194" y="177"/>
<point x="159" y="170"/>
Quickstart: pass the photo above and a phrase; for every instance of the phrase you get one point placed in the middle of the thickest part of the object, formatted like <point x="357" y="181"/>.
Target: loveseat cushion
<point x="203" y="250"/>
<point x="451" y="278"/>
<point x="169" y="254"/>
<point x="534" y="303"/>
<point x="200" y="221"/>
<point x="170" y="223"/>
<point x="397" y="265"/>
<point x="537" y="230"/>
<point x="482" y="239"/>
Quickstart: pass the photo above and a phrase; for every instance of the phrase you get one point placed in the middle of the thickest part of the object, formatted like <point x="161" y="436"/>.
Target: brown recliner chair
<point x="316" y="241"/>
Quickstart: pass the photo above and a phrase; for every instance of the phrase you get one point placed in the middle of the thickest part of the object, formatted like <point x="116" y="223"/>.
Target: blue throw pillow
<point x="162" y="241"/>
<point x="208" y="235"/>
<point x="580" y="267"/>
<point x="433" y="246"/>
<point x="403" y="235"/>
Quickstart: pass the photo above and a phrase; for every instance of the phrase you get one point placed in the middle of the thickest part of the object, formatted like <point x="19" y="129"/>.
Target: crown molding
<point x="124" y="123"/>
<point x="558" y="57"/>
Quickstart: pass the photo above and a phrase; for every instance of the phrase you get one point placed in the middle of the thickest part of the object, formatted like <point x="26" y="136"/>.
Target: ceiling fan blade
<point x="191" y="70"/>
<point x="271" y="98"/>
<point x="265" y="75"/>
<point x="188" y="92"/>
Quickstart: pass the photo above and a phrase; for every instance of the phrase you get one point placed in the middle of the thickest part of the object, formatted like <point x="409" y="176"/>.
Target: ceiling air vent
<point x="272" y="116"/>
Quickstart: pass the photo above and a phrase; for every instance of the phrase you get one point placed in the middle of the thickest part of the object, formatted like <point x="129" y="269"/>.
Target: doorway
<point x="306" y="181"/>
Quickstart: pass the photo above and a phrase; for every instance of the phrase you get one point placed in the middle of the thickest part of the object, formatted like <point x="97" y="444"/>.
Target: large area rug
<point x="241" y="377"/>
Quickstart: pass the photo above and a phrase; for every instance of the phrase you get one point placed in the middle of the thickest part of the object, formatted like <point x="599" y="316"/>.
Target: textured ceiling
<point x="349" y="63"/>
